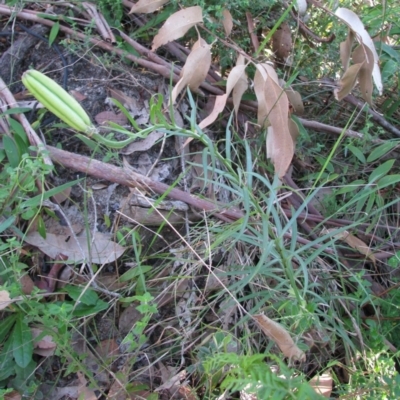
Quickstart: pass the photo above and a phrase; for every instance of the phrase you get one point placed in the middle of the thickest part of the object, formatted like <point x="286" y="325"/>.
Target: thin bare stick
<point x="130" y="178"/>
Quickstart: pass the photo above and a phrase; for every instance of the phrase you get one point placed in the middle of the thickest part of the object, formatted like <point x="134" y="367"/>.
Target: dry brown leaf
<point x="347" y="81"/>
<point x="78" y="96"/>
<point x="353" y="242"/>
<point x="102" y="249"/>
<point x="177" y="25"/>
<point x="63" y="196"/>
<point x="293" y="129"/>
<point x="195" y="69"/>
<point x="345" y="50"/>
<point x="110" y="281"/>
<point x="354" y="23"/>
<point x="147" y="6"/>
<point x="14" y="395"/>
<point x="219" y="105"/>
<point x="107" y="349"/>
<point x="5" y="300"/>
<point x="240" y="86"/>
<point x="27" y="284"/>
<point x="281" y="337"/>
<point x="83" y="391"/>
<point x="235" y="77"/>
<point x="227" y="22"/>
<point x="260" y="78"/>
<point x="282" y="42"/>
<point x="128" y="318"/>
<point x="110" y="116"/>
<point x="295" y="101"/>
<point x="322" y="384"/>
<point x="273" y="105"/>
<point x="45" y="347"/>
<point x="363" y="55"/>
<point x="142" y="145"/>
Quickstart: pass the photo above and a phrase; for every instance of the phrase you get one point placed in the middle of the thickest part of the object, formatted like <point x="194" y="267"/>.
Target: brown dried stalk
<point x="130" y="178"/>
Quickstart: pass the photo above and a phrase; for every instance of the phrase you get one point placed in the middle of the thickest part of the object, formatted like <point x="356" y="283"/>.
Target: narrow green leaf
<point x="89" y="142"/>
<point x="22" y="342"/>
<point x="370" y="203"/>
<point x="54" y="32"/>
<point x="6" y="224"/>
<point x="351" y="187"/>
<point x="35" y="201"/>
<point x="41" y="227"/>
<point x="16" y="110"/>
<point x="381" y="171"/>
<point x="135" y="272"/>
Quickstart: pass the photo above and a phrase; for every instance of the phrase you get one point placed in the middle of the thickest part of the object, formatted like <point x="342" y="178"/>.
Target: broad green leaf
<point x="83" y="310"/>
<point x="381" y="171"/>
<point x="6" y="360"/>
<point x="18" y="129"/>
<point x="21" y="145"/>
<point x="357" y="153"/>
<point x="6" y="224"/>
<point x="6" y="325"/>
<point x="388" y="180"/>
<point x="12" y="152"/>
<point x="380" y="151"/>
<point x="89" y="296"/>
<point x="22" y="342"/>
<point x="54" y="32"/>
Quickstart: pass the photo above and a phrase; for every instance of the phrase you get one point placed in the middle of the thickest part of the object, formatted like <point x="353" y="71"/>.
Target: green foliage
<point x="112" y="10"/>
<point x="225" y="370"/>
<point x="136" y="337"/>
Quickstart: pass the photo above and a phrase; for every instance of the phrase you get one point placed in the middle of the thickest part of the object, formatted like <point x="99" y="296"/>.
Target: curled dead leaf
<point x="354" y="23"/>
<point x="44" y="347"/>
<point x="273" y="106"/>
<point x="147" y="6"/>
<point x="353" y="242"/>
<point x="345" y="50"/>
<point x="177" y="25"/>
<point x="240" y="86"/>
<point x="282" y="42"/>
<point x="5" y="300"/>
<point x="363" y="55"/>
<point x="227" y="21"/>
<point x="347" y="82"/>
<point x="295" y="101"/>
<point x="322" y="384"/>
<point x="195" y="69"/>
<point x="281" y="337"/>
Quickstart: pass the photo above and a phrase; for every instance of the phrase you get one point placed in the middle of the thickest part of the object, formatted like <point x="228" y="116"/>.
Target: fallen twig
<point x="130" y="178"/>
